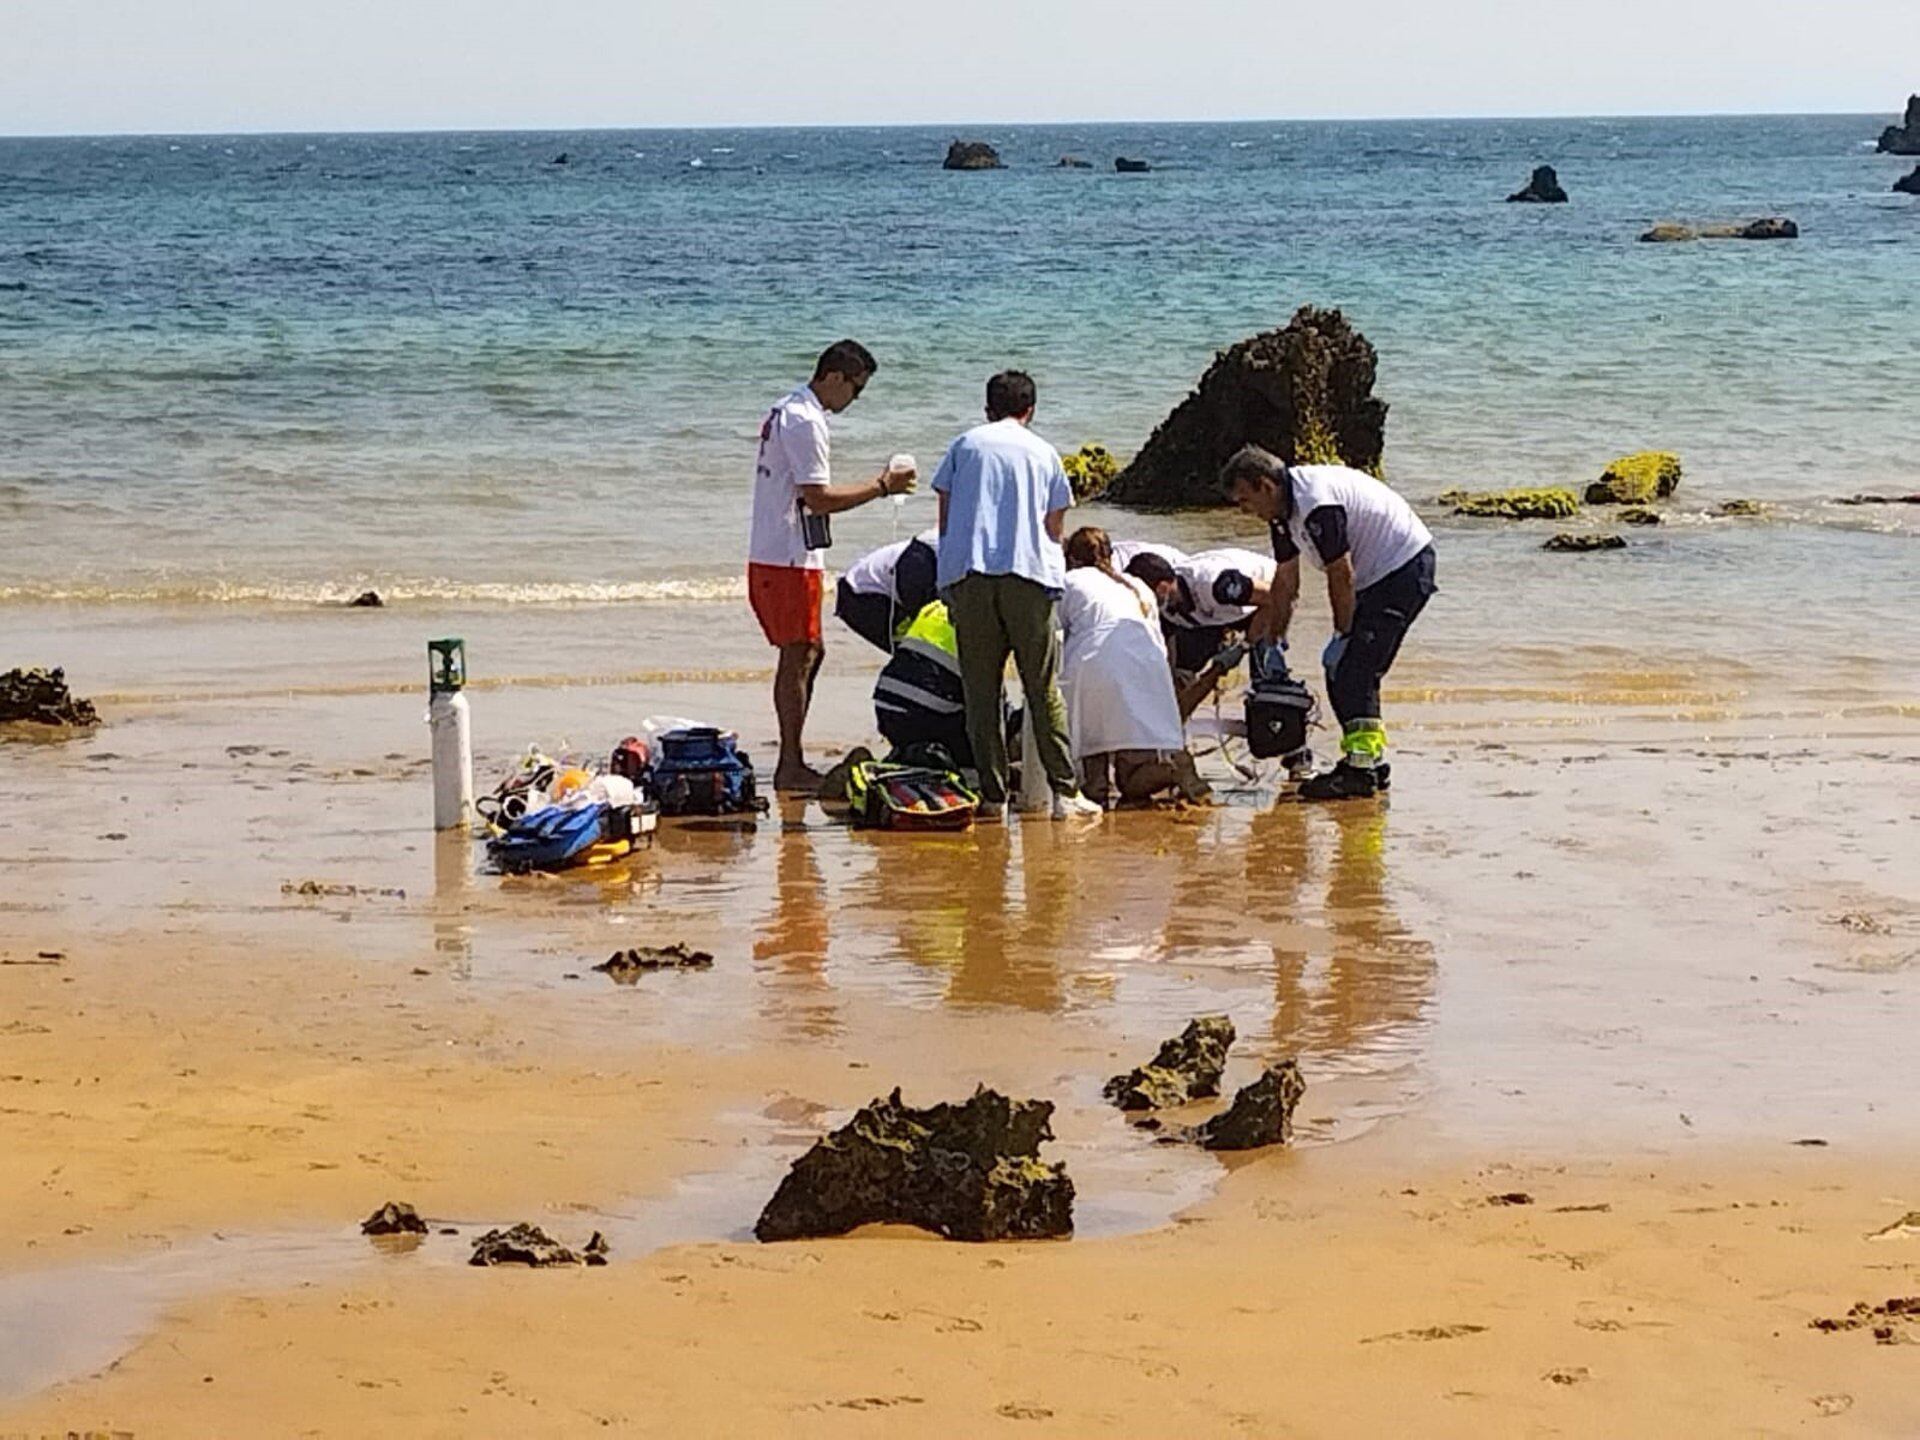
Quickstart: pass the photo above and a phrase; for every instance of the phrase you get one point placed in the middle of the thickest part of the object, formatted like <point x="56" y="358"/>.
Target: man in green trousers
<point x="1003" y="504"/>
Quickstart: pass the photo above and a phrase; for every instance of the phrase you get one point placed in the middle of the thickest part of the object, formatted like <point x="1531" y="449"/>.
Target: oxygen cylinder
<point x="449" y="723"/>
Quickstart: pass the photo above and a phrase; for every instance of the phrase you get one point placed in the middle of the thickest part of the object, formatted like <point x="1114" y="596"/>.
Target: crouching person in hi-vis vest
<point x="1379" y="562"/>
<point x="919" y="698"/>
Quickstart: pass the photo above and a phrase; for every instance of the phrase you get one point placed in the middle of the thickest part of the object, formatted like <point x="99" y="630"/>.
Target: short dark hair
<point x="1250" y="463"/>
<point x="1010" y="392"/>
<point x="848" y="358"/>
<point x="1152" y="568"/>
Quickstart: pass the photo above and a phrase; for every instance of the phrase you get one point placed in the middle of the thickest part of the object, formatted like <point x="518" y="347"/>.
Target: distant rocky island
<point x="1542" y="189"/>
<point x="972" y="155"/>
<point x="1903" y="139"/>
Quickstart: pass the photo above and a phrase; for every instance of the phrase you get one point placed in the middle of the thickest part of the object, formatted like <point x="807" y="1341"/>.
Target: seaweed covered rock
<point x="1551" y="503"/>
<point x="1304" y="391"/>
<point x="1542" y="189"/>
<point x="41" y="697"/>
<point x="1637" y="479"/>
<point x="1090" y="470"/>
<point x="1261" y="1114"/>
<point x="1187" y="1067"/>
<point x="966" y="1172"/>
<point x="394" y="1218"/>
<point x="1908" y="184"/>
<point x="971" y="155"/>
<point x="1569" y="543"/>
<point x="1903" y="139"/>
<point x="1742" y="509"/>
<point x="1640" y="515"/>
<point x="530" y="1245"/>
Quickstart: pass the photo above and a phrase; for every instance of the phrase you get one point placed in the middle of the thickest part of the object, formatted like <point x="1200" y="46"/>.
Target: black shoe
<point x="1383" y="776"/>
<point x="1343" y="782"/>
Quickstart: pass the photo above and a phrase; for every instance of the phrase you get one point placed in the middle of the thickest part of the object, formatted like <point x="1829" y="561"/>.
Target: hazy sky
<point x="77" y="66"/>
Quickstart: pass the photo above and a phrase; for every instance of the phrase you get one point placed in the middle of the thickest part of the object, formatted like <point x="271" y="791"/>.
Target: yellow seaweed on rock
<point x="1551" y="503"/>
<point x="1637" y="479"/>
<point x="1090" y="469"/>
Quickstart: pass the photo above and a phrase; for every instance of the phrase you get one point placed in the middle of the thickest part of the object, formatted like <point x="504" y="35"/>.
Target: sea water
<point x="245" y="375"/>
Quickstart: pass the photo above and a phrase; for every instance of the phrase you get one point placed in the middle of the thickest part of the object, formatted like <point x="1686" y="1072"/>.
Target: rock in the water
<point x="394" y="1218"/>
<point x="1913" y="499"/>
<point x="1908" y="184"/>
<point x="1090" y="470"/>
<point x="1551" y="503"/>
<point x="41" y="697"/>
<point x="530" y="1245"/>
<point x="1569" y="543"/>
<point x="367" y="600"/>
<point x="971" y="155"/>
<point x="1741" y="509"/>
<point x="627" y="965"/>
<point x="1187" y="1067"/>
<point x="1261" y="1114"/>
<point x="1542" y="189"/>
<point x="1074" y="162"/>
<point x="967" y="1172"/>
<point x="563" y="158"/>
<point x="1131" y="167"/>
<point x="1637" y="479"/>
<point x="1776" y="227"/>
<point x="1304" y="392"/>
<point x="1903" y="139"/>
<point x="1640" y="515"/>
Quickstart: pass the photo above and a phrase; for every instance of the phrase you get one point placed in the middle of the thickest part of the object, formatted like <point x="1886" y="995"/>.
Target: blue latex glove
<point x="1330" y="657"/>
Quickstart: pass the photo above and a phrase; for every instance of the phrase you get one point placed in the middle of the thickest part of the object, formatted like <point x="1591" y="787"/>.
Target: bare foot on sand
<point x="796" y="779"/>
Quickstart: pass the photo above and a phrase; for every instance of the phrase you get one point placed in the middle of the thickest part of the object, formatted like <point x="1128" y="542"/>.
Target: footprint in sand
<point x="1011" y="1411"/>
<point x="1907" y="1227"/>
<point x="1830" y="1405"/>
<point x="1430" y="1332"/>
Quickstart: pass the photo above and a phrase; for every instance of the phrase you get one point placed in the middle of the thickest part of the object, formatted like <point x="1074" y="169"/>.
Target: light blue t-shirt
<point x="1001" y="480"/>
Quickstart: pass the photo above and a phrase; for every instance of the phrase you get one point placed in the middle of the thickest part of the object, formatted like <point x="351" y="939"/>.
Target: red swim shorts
<point x="786" y="602"/>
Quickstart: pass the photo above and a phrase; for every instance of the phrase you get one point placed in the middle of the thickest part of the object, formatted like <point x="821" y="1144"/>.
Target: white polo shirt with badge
<point x="1202" y="570"/>
<point x="793" y="453"/>
<point x="1382" y="531"/>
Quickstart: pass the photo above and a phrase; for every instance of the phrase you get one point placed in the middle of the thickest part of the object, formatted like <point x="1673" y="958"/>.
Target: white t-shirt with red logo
<point x="793" y="452"/>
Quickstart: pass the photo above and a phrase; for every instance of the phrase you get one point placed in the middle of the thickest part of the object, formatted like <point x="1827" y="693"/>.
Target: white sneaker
<point x="1071" y="807"/>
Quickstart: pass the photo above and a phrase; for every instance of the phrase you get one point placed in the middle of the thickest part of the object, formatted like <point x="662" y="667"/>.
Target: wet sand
<point x="1612" y="955"/>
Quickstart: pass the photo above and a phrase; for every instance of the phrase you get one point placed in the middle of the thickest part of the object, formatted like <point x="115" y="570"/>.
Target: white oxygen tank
<point x="450" y="723"/>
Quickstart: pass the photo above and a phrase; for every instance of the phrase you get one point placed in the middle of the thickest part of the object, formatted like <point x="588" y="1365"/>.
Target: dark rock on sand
<point x="1640" y="515"/>
<point x="1776" y="227"/>
<point x="1304" y="392"/>
<point x="966" y="1172"/>
<point x="530" y="1245"/>
<point x="394" y="1218"/>
<point x="1569" y="543"/>
<point x="1903" y="139"/>
<point x="1542" y="189"/>
<point x="1074" y="162"/>
<point x="971" y="155"/>
<point x="41" y="697"/>
<point x="1131" y="167"/>
<point x="1637" y="479"/>
<point x="1187" y="1067"/>
<point x="628" y="965"/>
<point x="1741" y="509"/>
<point x="1261" y="1114"/>
<point x="1908" y="184"/>
<point x="367" y="600"/>
<point x="1525" y="503"/>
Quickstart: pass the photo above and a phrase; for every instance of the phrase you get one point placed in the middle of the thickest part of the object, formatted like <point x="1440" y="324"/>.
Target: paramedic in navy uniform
<point x="1379" y="562"/>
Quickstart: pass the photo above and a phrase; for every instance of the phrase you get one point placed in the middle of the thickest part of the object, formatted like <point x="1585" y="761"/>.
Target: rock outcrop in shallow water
<point x="1569" y="543"/>
<point x="1090" y="470"/>
<point x="1637" y="479"/>
<point x="1542" y="189"/>
<point x="1187" y="1067"/>
<point x="530" y="1245"/>
<point x="971" y="155"/>
<point x="1520" y="504"/>
<point x="1304" y="391"/>
<point x="966" y="1172"/>
<point x="41" y="697"/>
<point x="394" y="1218"/>
<point x="1903" y="139"/>
<point x="628" y="965"/>
<point x="1773" y="227"/>
<point x="1261" y="1114"/>
<point x="1908" y="184"/>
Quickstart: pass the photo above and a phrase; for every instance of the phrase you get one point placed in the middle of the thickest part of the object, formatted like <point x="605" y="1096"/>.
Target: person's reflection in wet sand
<point x="1378" y="978"/>
<point x="792" y="936"/>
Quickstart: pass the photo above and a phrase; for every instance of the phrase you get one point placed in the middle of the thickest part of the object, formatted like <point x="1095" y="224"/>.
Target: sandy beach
<point x="1648" y="965"/>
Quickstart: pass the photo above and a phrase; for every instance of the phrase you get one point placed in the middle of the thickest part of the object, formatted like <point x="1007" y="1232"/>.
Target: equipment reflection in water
<point x="793" y="935"/>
